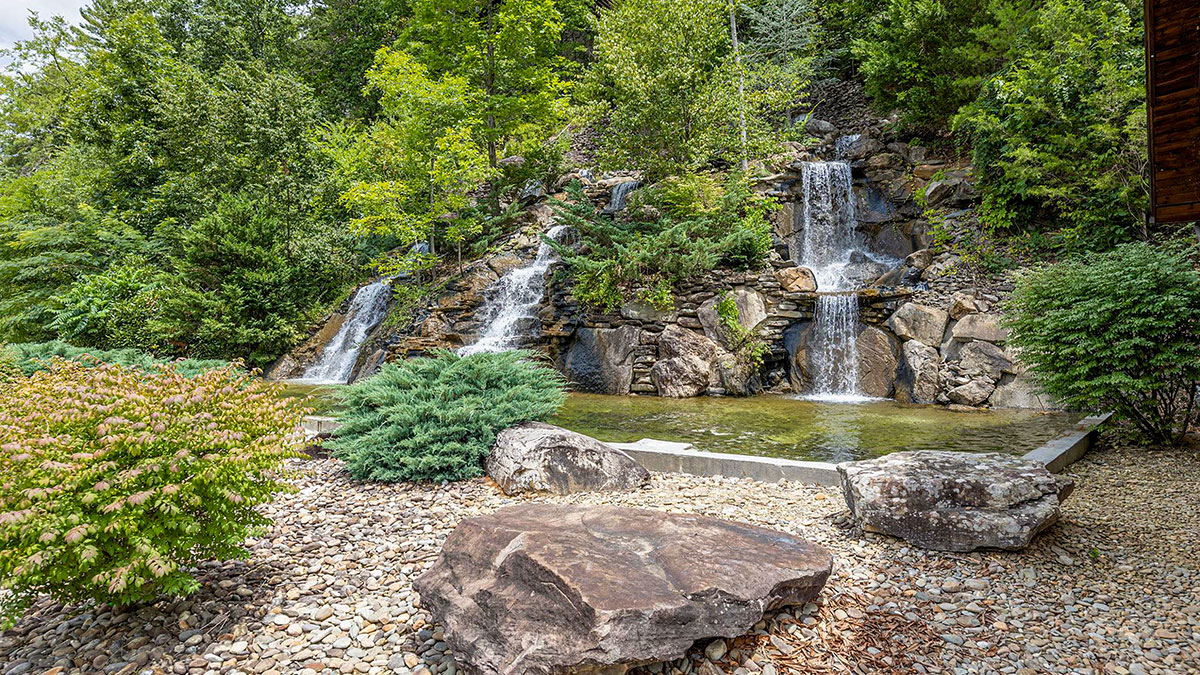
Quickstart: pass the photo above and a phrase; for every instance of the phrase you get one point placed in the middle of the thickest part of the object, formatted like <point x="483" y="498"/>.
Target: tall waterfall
<point x="335" y="365"/>
<point x="510" y="315"/>
<point x="828" y="243"/>
<point x="830" y="224"/>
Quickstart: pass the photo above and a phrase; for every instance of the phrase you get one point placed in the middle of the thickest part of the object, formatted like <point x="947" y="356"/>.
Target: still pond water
<point x="783" y="426"/>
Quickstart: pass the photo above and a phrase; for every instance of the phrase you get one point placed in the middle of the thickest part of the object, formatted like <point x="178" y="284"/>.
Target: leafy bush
<point x="35" y="356"/>
<point x="683" y="228"/>
<point x="113" y="309"/>
<point x="927" y="58"/>
<point x="1118" y="331"/>
<point x="1059" y="136"/>
<point x="436" y="419"/>
<point x="114" y="481"/>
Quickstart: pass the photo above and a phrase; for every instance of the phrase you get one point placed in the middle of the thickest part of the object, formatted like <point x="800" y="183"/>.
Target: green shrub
<point x="34" y="356"/>
<point x="10" y="369"/>
<point x="1059" y="136"/>
<point x="702" y="226"/>
<point x="436" y="419"/>
<point x="115" y="482"/>
<point x="927" y="58"/>
<point x="113" y="309"/>
<point x="1118" y="331"/>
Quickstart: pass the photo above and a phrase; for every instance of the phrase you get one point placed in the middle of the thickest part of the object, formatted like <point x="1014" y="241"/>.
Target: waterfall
<point x="828" y="244"/>
<point x="335" y="365"/>
<point x="510" y="315"/>
<point x="619" y="196"/>
<point x="829" y="236"/>
<point x="835" y="348"/>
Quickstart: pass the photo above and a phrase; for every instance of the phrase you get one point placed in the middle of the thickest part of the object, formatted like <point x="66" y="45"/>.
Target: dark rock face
<point x="954" y="501"/>
<point x="601" y="359"/>
<point x="542" y="589"/>
<point x="536" y="457"/>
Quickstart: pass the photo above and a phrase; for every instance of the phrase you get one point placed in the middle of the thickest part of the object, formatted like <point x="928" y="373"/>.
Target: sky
<point x="14" y="14"/>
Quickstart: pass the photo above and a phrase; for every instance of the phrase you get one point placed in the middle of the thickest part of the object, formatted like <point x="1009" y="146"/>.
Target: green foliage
<point x="436" y="419"/>
<point x="510" y="57"/>
<point x="123" y="143"/>
<point x="111" y="309"/>
<point x="33" y="357"/>
<point x="1118" y="331"/>
<point x="1059" y="135"/>
<point x="749" y="348"/>
<point x="338" y="46"/>
<point x="117" y="482"/>
<point x="928" y="58"/>
<point x="645" y="258"/>
<point x="667" y="81"/>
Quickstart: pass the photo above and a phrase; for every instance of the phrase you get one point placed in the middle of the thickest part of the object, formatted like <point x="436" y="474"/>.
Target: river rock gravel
<point x="1111" y="588"/>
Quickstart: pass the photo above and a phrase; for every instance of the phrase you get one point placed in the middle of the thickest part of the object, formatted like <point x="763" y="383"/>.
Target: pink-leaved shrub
<point x="115" y="482"/>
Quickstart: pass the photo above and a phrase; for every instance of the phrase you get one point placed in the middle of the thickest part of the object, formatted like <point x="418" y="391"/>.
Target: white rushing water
<point x="510" y="316"/>
<point x="335" y="365"/>
<point x="829" y="245"/>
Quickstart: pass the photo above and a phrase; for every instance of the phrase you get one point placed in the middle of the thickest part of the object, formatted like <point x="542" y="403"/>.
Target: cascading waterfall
<point x="829" y="241"/>
<point x="510" y="315"/>
<point x="335" y="365"/>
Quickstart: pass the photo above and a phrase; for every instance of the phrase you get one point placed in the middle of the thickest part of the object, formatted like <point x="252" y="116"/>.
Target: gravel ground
<point x="1111" y="588"/>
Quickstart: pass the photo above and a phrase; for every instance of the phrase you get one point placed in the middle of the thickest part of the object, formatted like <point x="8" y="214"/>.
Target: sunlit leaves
<point x="115" y="481"/>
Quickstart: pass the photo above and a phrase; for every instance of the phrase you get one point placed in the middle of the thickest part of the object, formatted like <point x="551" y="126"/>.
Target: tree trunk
<point x="741" y="102"/>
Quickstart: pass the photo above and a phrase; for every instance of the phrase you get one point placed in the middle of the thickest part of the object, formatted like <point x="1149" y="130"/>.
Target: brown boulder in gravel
<point x="954" y="501"/>
<point x="542" y="589"/>
<point x="536" y="457"/>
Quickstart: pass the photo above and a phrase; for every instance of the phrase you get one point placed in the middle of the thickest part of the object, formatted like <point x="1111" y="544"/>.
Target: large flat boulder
<point x="954" y="501"/>
<point x="536" y="457"/>
<point x="543" y="588"/>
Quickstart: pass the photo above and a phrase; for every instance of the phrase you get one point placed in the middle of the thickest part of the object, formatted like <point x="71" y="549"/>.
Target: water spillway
<point x="829" y="244"/>
<point x="335" y="364"/>
<point x="510" y="316"/>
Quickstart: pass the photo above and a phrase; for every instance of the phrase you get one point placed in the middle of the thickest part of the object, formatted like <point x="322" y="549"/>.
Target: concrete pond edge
<point x="669" y="457"/>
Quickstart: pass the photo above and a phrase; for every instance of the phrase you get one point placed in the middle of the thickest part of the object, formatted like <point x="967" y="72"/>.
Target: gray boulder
<point x="796" y="279"/>
<point x="600" y="360"/>
<point x="973" y="393"/>
<point x="919" y="322"/>
<point x="985" y="327"/>
<point x="542" y="589"/>
<point x="954" y="501"/>
<point x="985" y="358"/>
<point x="920" y="379"/>
<point x="877" y="362"/>
<point x="685" y="364"/>
<point x="536" y="457"/>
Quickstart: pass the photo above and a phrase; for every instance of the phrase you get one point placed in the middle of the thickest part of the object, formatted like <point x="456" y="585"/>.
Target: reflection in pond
<point x="781" y="426"/>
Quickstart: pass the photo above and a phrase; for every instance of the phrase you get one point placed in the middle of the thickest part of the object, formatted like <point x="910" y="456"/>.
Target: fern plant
<point x="436" y="419"/>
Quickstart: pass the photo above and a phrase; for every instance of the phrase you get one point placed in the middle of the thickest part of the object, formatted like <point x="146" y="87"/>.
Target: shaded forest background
<point x="207" y="178"/>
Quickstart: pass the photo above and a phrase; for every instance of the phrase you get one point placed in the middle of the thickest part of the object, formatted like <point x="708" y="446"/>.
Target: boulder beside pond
<point x="546" y="588"/>
<point x="954" y="501"/>
<point x="536" y="457"/>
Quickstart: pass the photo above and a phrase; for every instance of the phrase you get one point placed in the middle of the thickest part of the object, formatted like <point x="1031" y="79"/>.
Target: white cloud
<point x="14" y="16"/>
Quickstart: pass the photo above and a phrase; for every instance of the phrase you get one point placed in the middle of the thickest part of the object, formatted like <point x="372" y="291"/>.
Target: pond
<point x="783" y="426"/>
<point x="788" y="427"/>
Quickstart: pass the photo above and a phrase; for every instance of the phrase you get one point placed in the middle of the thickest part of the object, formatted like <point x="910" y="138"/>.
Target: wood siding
<point x="1173" y="88"/>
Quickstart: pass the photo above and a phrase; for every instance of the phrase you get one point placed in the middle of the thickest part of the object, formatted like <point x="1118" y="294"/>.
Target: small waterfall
<point x="510" y="315"/>
<point x="827" y="245"/>
<point x="842" y="145"/>
<point x="620" y="196"/>
<point x="835" y="348"/>
<point x="335" y="365"/>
